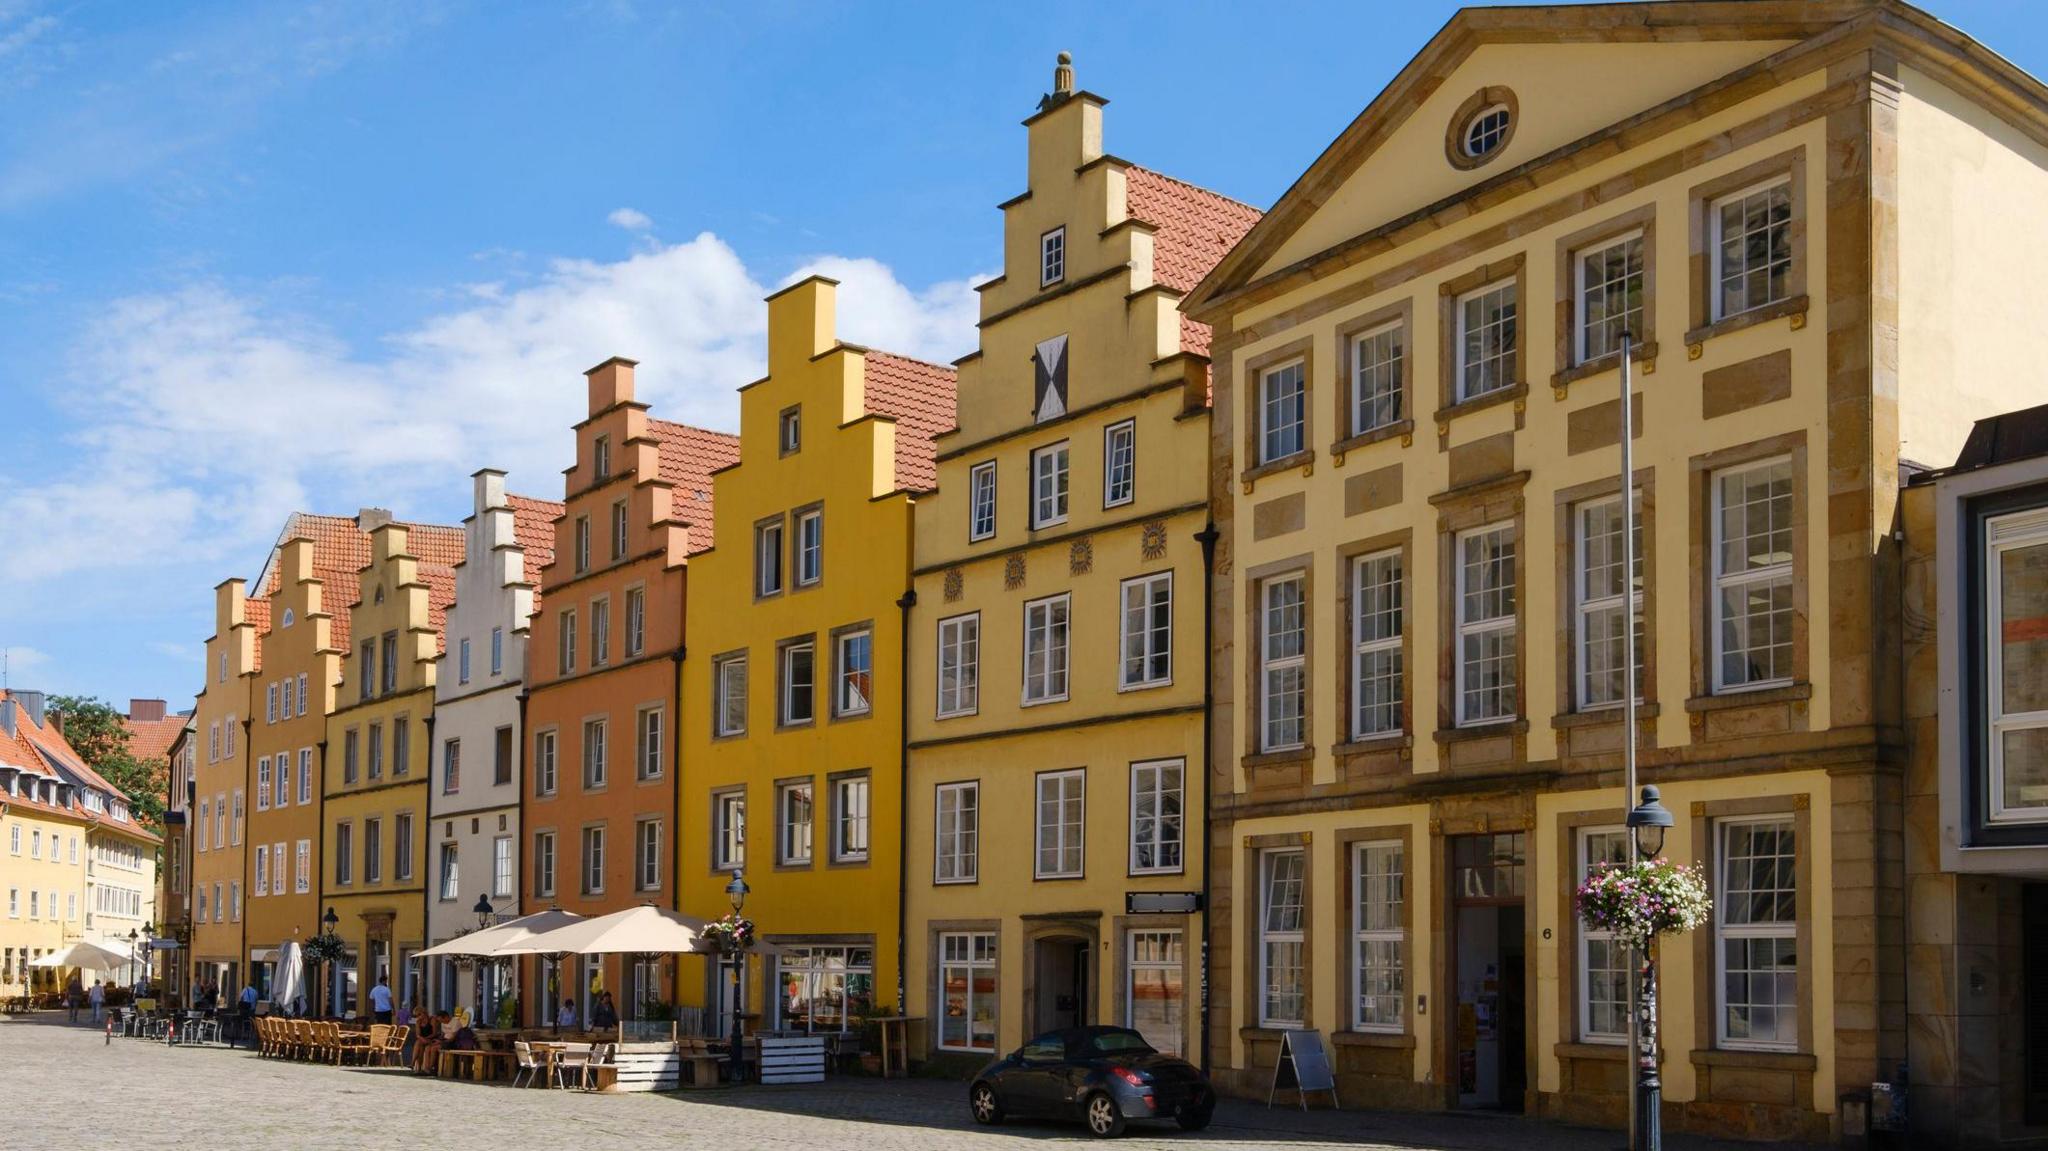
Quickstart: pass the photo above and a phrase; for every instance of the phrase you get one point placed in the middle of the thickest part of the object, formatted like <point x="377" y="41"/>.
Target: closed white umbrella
<point x="492" y="941"/>
<point x="289" y="984"/>
<point x="85" y="957"/>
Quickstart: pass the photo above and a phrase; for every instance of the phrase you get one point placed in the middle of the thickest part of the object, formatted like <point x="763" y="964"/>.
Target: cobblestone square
<point x="88" y="1093"/>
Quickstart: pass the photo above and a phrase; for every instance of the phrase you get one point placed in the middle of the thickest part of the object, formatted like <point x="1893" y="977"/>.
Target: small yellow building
<point x="216" y="951"/>
<point x="1056" y="643"/>
<point x="42" y="859"/>
<point x="376" y="770"/>
<point x="790" y="708"/>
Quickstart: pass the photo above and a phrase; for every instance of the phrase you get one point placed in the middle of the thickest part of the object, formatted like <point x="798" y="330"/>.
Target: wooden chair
<point x="380" y="1034"/>
<point x="601" y="1055"/>
<point x="393" y="1046"/>
<point x="529" y="1067"/>
<point x="301" y="1039"/>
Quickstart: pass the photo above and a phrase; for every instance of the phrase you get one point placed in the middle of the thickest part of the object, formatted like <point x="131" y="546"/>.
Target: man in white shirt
<point x="380" y="1001"/>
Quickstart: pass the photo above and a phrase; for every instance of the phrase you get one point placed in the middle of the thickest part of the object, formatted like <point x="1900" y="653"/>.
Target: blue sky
<point x="316" y="256"/>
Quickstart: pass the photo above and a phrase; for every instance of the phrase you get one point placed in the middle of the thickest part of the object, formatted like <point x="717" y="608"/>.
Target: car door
<point x="1037" y="1084"/>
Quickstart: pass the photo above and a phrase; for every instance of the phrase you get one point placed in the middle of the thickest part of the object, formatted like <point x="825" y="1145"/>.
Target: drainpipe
<point x="1207" y="537"/>
<point x="522" y="781"/>
<point x="675" y="848"/>
<point x="422" y="862"/>
<point x="908" y="601"/>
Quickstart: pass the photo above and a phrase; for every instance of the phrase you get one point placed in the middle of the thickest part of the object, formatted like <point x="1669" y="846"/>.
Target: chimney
<point x="1066" y="130"/>
<point x="610" y="383"/>
<point x="7" y="720"/>
<point x="1063" y="77"/>
<point x="31" y="703"/>
<point x="370" y="519"/>
<point x="147" y="710"/>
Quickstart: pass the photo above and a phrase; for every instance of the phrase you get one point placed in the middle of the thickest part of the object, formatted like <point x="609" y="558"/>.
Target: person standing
<point x="380" y="1000"/>
<point x="98" y="997"/>
<point x="74" y="994"/>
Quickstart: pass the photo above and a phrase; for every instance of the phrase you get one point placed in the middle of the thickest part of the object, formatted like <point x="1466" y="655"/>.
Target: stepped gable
<point x="920" y="397"/>
<point x="688" y="457"/>
<point x="533" y="529"/>
<point x="1193" y="228"/>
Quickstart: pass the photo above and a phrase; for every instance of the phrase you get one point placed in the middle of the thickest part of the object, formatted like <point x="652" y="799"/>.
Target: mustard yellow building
<point x="1056" y="642"/>
<point x="792" y="718"/>
<point x="42" y="856"/>
<point x="1420" y="589"/>
<point x="379" y="746"/>
<point x="218" y="810"/>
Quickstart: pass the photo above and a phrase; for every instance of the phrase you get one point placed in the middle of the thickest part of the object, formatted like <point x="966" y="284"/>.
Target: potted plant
<point x="1639" y="901"/>
<point x="730" y="934"/>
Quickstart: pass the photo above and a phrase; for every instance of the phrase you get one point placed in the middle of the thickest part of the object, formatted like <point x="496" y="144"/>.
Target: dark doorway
<point x="1060" y="976"/>
<point x="1489" y="1030"/>
<point x="2034" y="993"/>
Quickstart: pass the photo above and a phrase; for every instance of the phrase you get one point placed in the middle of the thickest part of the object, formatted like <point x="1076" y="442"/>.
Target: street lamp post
<point x="484" y="1008"/>
<point x="1647" y="823"/>
<point x="330" y="921"/>
<point x="131" y="960"/>
<point x="736" y="891"/>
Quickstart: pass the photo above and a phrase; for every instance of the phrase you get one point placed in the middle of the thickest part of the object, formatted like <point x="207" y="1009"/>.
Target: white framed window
<point x="1283" y="664"/>
<point x="2015" y="669"/>
<point x="344" y="854"/>
<point x="730" y="673"/>
<point x="565" y="655"/>
<point x="305" y="775"/>
<point x="1045" y="649"/>
<point x="1487" y="663"/>
<point x="1756" y="935"/>
<point x="1752" y="247"/>
<point x="1155" y="988"/>
<point x="262" y="885"/>
<point x="462" y="661"/>
<point x="582" y="544"/>
<point x="967" y="987"/>
<point x="1603" y="959"/>
<point x="373" y="739"/>
<point x="600" y="632"/>
<point x="1597" y="590"/>
<point x="1052" y="257"/>
<point x="1283" y="972"/>
<point x="1607" y="284"/>
<point x="850" y="819"/>
<point x="619" y="529"/>
<point x="981" y="501"/>
<point x="959" y="665"/>
<point x="302" y="867"/>
<point x="768" y="558"/>
<point x="647" y="855"/>
<point x="1049" y="485"/>
<point x="263" y="783"/>
<point x="854" y="679"/>
<point x="1486" y="131"/>
<point x="1147" y="641"/>
<point x="1119" y="463"/>
<point x="451" y="766"/>
<point x="810" y="547"/>
<point x="729" y="830"/>
<point x="290" y="694"/>
<point x="789" y="430"/>
<point x="1283" y="411"/>
<point x="596" y="734"/>
<point x="1156" y="822"/>
<point x="1062" y="805"/>
<point x="593" y="861"/>
<point x="1752" y="572"/>
<point x="1379" y="936"/>
<point x="277" y="870"/>
<point x="236" y="827"/>
<point x="793" y="803"/>
<point x="799" y="683"/>
<point x="270" y="703"/>
<point x="497" y="654"/>
<point x="601" y="457"/>
<point x="1378" y="626"/>
<point x="373" y="850"/>
<point x="501" y="867"/>
<point x="648" y="725"/>
<point x="956" y="856"/>
<point x="636" y="621"/>
<point x="1379" y="373"/>
<point x="302" y="693"/>
<point x="543" y="863"/>
<point x="544" y="777"/>
<point x="1487" y="339"/>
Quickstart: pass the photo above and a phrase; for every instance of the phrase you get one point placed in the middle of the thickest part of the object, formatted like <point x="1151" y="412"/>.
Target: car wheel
<point x="1105" y="1121"/>
<point x="1195" y="1116"/>
<point x="982" y="1100"/>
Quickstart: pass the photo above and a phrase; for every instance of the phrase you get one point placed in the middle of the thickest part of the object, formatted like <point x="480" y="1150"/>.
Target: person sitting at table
<point x="604" y="1016"/>
<point x="426" y="1052"/>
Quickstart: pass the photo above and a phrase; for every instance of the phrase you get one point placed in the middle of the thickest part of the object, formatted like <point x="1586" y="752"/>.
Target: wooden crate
<point x="647" y="1067"/>
<point x="795" y="1059"/>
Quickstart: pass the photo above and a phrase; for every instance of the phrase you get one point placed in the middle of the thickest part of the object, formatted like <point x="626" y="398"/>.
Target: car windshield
<point x="1118" y="1043"/>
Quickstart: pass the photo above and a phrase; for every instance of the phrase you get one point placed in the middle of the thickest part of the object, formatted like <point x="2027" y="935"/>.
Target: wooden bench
<point x="701" y="1062"/>
<point x="475" y="1066"/>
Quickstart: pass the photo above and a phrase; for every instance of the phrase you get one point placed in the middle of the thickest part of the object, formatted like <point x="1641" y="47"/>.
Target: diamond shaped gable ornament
<point x="1049" y="371"/>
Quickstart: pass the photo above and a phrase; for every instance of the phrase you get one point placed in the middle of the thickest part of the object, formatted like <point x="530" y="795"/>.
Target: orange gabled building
<point x="603" y="668"/>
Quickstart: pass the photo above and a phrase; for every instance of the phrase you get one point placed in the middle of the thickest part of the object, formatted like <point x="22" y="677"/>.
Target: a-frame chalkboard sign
<point x="1303" y="1066"/>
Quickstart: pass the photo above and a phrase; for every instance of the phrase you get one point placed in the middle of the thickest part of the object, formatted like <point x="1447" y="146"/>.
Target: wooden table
<point x="547" y="1053"/>
<point x="476" y="1066"/>
<point x="900" y="1024"/>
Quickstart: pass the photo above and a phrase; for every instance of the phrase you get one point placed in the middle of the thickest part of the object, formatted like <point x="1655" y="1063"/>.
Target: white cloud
<point x="19" y="659"/>
<point x="207" y="415"/>
<point x="631" y="219"/>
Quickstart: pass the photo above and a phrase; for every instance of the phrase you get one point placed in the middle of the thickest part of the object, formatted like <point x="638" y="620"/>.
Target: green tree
<point x="99" y="733"/>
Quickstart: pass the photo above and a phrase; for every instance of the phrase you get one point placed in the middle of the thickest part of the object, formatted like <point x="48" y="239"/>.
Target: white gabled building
<point x="473" y="807"/>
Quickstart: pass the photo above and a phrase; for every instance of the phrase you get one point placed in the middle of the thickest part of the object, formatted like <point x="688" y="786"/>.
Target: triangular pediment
<point x="1567" y="75"/>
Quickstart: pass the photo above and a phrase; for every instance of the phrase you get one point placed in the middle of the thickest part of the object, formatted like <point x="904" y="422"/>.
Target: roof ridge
<point x="933" y="364"/>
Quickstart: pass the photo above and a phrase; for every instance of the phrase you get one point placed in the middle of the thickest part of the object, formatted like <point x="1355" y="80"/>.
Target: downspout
<point x="242" y="959"/>
<point x="317" y="1001"/>
<point x="908" y="601"/>
<point x="675" y="760"/>
<point x="522" y="781"/>
<point x="1207" y="538"/>
<point x="421" y="861"/>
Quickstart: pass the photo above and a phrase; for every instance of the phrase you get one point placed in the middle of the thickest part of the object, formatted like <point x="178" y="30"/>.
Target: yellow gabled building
<point x="790" y="705"/>
<point x="1056" y="666"/>
<point x="220" y="784"/>
<point x="376" y="769"/>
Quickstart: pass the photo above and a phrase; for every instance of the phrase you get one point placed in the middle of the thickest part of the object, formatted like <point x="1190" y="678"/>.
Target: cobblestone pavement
<point x="87" y="1093"/>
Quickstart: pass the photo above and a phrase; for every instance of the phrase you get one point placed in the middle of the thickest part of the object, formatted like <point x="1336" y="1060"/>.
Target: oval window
<point x="1486" y="131"/>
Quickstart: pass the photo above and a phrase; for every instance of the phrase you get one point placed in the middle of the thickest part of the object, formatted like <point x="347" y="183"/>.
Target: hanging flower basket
<point x="731" y="933"/>
<point x="326" y="947"/>
<point x="1642" y="900"/>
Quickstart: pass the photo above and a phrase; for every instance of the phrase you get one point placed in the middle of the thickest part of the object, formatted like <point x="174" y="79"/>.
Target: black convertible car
<point x="1102" y="1076"/>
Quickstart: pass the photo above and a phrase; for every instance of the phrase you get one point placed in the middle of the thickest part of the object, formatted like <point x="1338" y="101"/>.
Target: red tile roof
<point x="533" y="529"/>
<point x="1193" y="228"/>
<point x="920" y="397"/>
<point x="35" y="746"/>
<point x="440" y="581"/>
<point x="688" y="457"/>
<point x="152" y="738"/>
<point x="340" y="550"/>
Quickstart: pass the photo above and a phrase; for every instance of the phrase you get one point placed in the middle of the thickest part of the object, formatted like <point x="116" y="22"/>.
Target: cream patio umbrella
<point x="490" y="942"/>
<point x="646" y="929"/>
<point x="86" y="957"/>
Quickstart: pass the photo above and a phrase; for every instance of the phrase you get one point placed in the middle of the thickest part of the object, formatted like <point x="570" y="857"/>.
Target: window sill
<point x="1789" y="693"/>
<point x="1051" y="699"/>
<point x="1795" y="307"/>
<point x="1610" y="1052"/>
<point x="1292" y="755"/>
<point x="1644" y="354"/>
<point x="1405" y="429"/>
<point x="1389" y="1040"/>
<point x="1493" y="730"/>
<point x="1269" y="1032"/>
<point x="1305" y="460"/>
<point x="1647" y="709"/>
<point x="1400" y="741"/>
<point x="1517" y="393"/>
<point x="1780" y="1061"/>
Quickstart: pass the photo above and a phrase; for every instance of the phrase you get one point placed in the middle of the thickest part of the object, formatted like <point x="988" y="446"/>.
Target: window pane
<point x="1376" y="381"/>
<point x="1284" y="411"/>
<point x="1755" y="250"/>
<point x="1610" y="296"/>
<point x="2023" y="629"/>
<point x="1487" y="341"/>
